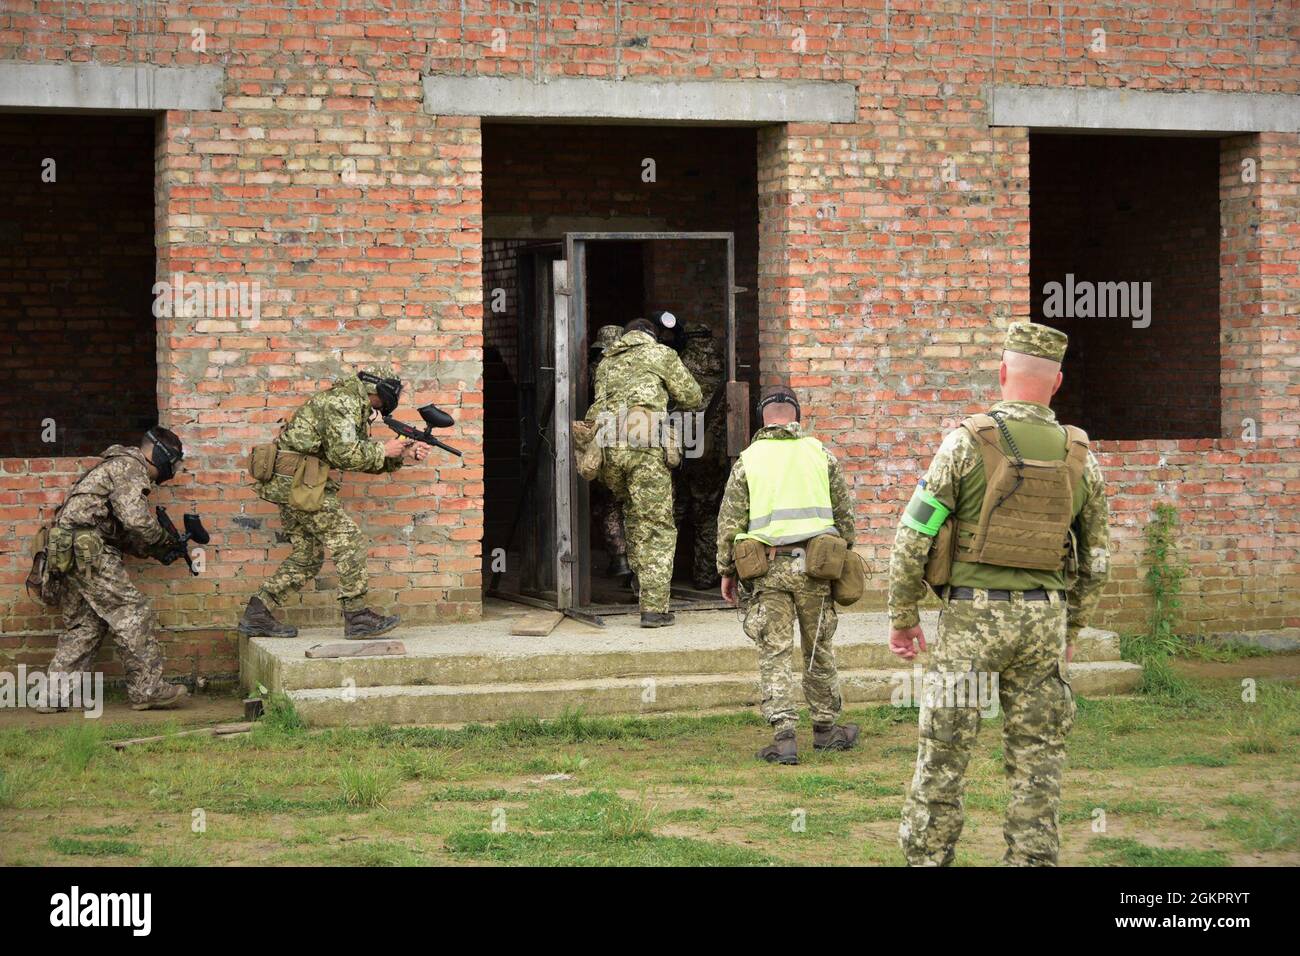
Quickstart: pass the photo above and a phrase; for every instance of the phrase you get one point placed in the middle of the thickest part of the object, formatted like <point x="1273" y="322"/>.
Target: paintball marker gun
<point x="194" y="531"/>
<point x="434" y="417"/>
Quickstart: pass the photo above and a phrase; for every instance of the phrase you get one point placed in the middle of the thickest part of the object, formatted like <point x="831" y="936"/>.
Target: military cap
<point x="1030" y="338"/>
<point x="607" y="335"/>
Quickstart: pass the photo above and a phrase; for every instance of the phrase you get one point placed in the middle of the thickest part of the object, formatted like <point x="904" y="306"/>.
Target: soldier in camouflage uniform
<point x="785" y="489"/>
<point x="703" y="472"/>
<point x="635" y="380"/>
<point x="333" y="425"/>
<point x="107" y="515"/>
<point x="605" y="509"/>
<point x="1017" y="623"/>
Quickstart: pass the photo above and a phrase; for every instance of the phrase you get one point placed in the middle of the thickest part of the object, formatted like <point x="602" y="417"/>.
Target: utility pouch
<point x="1071" y="556"/>
<point x="587" y="453"/>
<point x="58" y="550"/>
<point x="261" y="462"/>
<point x="751" y="558"/>
<point x="87" y="546"/>
<point x="849" y="587"/>
<point x="943" y="550"/>
<point x="38" y="577"/>
<point x="307" y="491"/>
<point x="824" y="557"/>
<point x="671" y="439"/>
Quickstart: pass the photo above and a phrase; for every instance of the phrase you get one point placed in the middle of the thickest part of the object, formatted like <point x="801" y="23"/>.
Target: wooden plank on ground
<point x="536" y="623"/>
<point x="357" y="649"/>
<point x="220" y="730"/>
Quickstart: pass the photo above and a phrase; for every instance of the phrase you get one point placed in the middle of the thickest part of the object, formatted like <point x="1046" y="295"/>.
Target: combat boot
<point x="783" y="749"/>
<point x="657" y="618"/>
<point x="171" y="695"/>
<point x="619" y="568"/>
<point x="834" y="736"/>
<point x="258" y="621"/>
<point x="359" y="625"/>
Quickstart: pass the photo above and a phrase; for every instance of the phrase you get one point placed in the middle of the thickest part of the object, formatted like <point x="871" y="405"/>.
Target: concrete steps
<point x="478" y="672"/>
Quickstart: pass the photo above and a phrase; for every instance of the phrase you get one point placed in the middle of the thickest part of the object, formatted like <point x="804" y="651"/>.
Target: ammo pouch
<point x="37" y="582"/>
<point x="87" y="546"/>
<point x="58" y="550"/>
<point x="943" y="551"/>
<point x="751" y="558"/>
<point x="849" y="587"/>
<point x="587" y="453"/>
<point x="307" y="491"/>
<point x="261" y="462"/>
<point x="670" y="437"/>
<point x="824" y="557"/>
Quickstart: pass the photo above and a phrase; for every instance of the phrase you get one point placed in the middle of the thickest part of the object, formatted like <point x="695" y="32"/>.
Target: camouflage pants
<point x="780" y="598"/>
<point x="311" y="533"/>
<point x="1023" y="643"/>
<point x="700" y="485"/>
<point x="100" y="599"/>
<point x="608" y="516"/>
<point x="642" y="484"/>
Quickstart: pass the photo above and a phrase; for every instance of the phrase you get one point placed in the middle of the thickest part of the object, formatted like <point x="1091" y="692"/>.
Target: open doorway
<point x="551" y="280"/>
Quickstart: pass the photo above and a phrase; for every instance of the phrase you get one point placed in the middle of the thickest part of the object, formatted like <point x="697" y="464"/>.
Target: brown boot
<point x="258" y="621"/>
<point x="171" y="695"/>
<point x="834" y="736"/>
<point x="783" y="749"/>
<point x="363" y="624"/>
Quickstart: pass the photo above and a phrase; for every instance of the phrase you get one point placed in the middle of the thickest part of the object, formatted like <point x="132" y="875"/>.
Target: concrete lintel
<point x="691" y="101"/>
<point x="142" y="88"/>
<point x="1144" y="110"/>
<point x="554" y="227"/>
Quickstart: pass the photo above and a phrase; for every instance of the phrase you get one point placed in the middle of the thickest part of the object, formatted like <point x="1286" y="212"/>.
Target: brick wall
<point x="882" y="283"/>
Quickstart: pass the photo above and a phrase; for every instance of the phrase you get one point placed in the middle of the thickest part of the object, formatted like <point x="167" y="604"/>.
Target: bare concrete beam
<point x="1144" y="110"/>
<point x="692" y="101"/>
<point x="92" y="86"/>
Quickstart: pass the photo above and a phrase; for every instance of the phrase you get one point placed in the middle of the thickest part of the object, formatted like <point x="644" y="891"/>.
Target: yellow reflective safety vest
<point x="789" y="490"/>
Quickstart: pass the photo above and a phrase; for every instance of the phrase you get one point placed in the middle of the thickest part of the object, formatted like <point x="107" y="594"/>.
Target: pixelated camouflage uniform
<point x="1022" y="642"/>
<point x="775" y="600"/>
<point x="109" y="514"/>
<point x="605" y="510"/>
<point x="333" y="425"/>
<point x="702" y="476"/>
<point x="638" y="372"/>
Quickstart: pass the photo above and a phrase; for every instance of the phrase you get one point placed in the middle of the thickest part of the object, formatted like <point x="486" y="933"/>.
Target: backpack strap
<point x="985" y="431"/>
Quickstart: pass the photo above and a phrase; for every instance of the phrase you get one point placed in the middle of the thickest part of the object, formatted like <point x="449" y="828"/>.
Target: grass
<point x="1187" y="774"/>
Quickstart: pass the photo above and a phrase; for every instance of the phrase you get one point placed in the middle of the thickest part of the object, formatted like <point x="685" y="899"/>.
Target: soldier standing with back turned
<point x="605" y="510"/>
<point x="703" y="473"/>
<point x="634" y="383"/>
<point x="1027" y="502"/>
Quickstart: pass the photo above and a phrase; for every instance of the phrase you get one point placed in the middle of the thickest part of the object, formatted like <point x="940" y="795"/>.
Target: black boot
<point x="783" y="749"/>
<point x="258" y="621"/>
<point x="359" y="625"/>
<point x="834" y="736"/>
<point x="619" y="569"/>
<point x="656" y="618"/>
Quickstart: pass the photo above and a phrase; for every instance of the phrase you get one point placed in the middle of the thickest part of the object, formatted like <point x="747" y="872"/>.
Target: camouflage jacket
<point x="733" y="514"/>
<point x="113" y="499"/>
<point x="333" y="425"/>
<point x="638" y="371"/>
<point x="703" y="359"/>
<point x="956" y="458"/>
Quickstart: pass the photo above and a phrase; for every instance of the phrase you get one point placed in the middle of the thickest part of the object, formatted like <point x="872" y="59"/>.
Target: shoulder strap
<point x="1076" y="456"/>
<point x="985" y="431"/>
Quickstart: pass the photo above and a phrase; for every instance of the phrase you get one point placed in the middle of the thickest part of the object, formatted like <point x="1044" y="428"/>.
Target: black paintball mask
<point x="389" y="389"/>
<point x="779" y="394"/>
<point x="162" y="457"/>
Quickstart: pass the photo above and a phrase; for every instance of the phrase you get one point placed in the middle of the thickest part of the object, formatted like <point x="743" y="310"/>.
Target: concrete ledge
<point x="92" y="86"/>
<point x="698" y="101"/>
<point x="1143" y="110"/>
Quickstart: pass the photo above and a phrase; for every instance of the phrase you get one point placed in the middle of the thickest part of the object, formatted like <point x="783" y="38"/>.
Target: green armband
<point x="925" y="513"/>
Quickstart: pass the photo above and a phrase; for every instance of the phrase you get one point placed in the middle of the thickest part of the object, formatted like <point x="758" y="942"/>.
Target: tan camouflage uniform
<point x="333" y="425"/>
<point x="1023" y="643"/>
<point x="109" y="514"/>
<point x="605" y="510"/>
<point x="775" y="600"/>
<point x="703" y="474"/>
<point x="638" y="372"/>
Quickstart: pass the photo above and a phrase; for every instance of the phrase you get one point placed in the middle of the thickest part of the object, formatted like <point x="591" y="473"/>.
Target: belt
<point x="290" y="460"/>
<point x="998" y="594"/>
<point x="793" y="550"/>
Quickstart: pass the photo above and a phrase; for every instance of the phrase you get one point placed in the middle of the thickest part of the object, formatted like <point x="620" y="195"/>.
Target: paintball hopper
<point x="434" y="417"/>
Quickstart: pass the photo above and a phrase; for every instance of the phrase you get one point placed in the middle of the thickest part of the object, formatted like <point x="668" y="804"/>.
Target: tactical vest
<point x="789" y="490"/>
<point x="1028" y="506"/>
